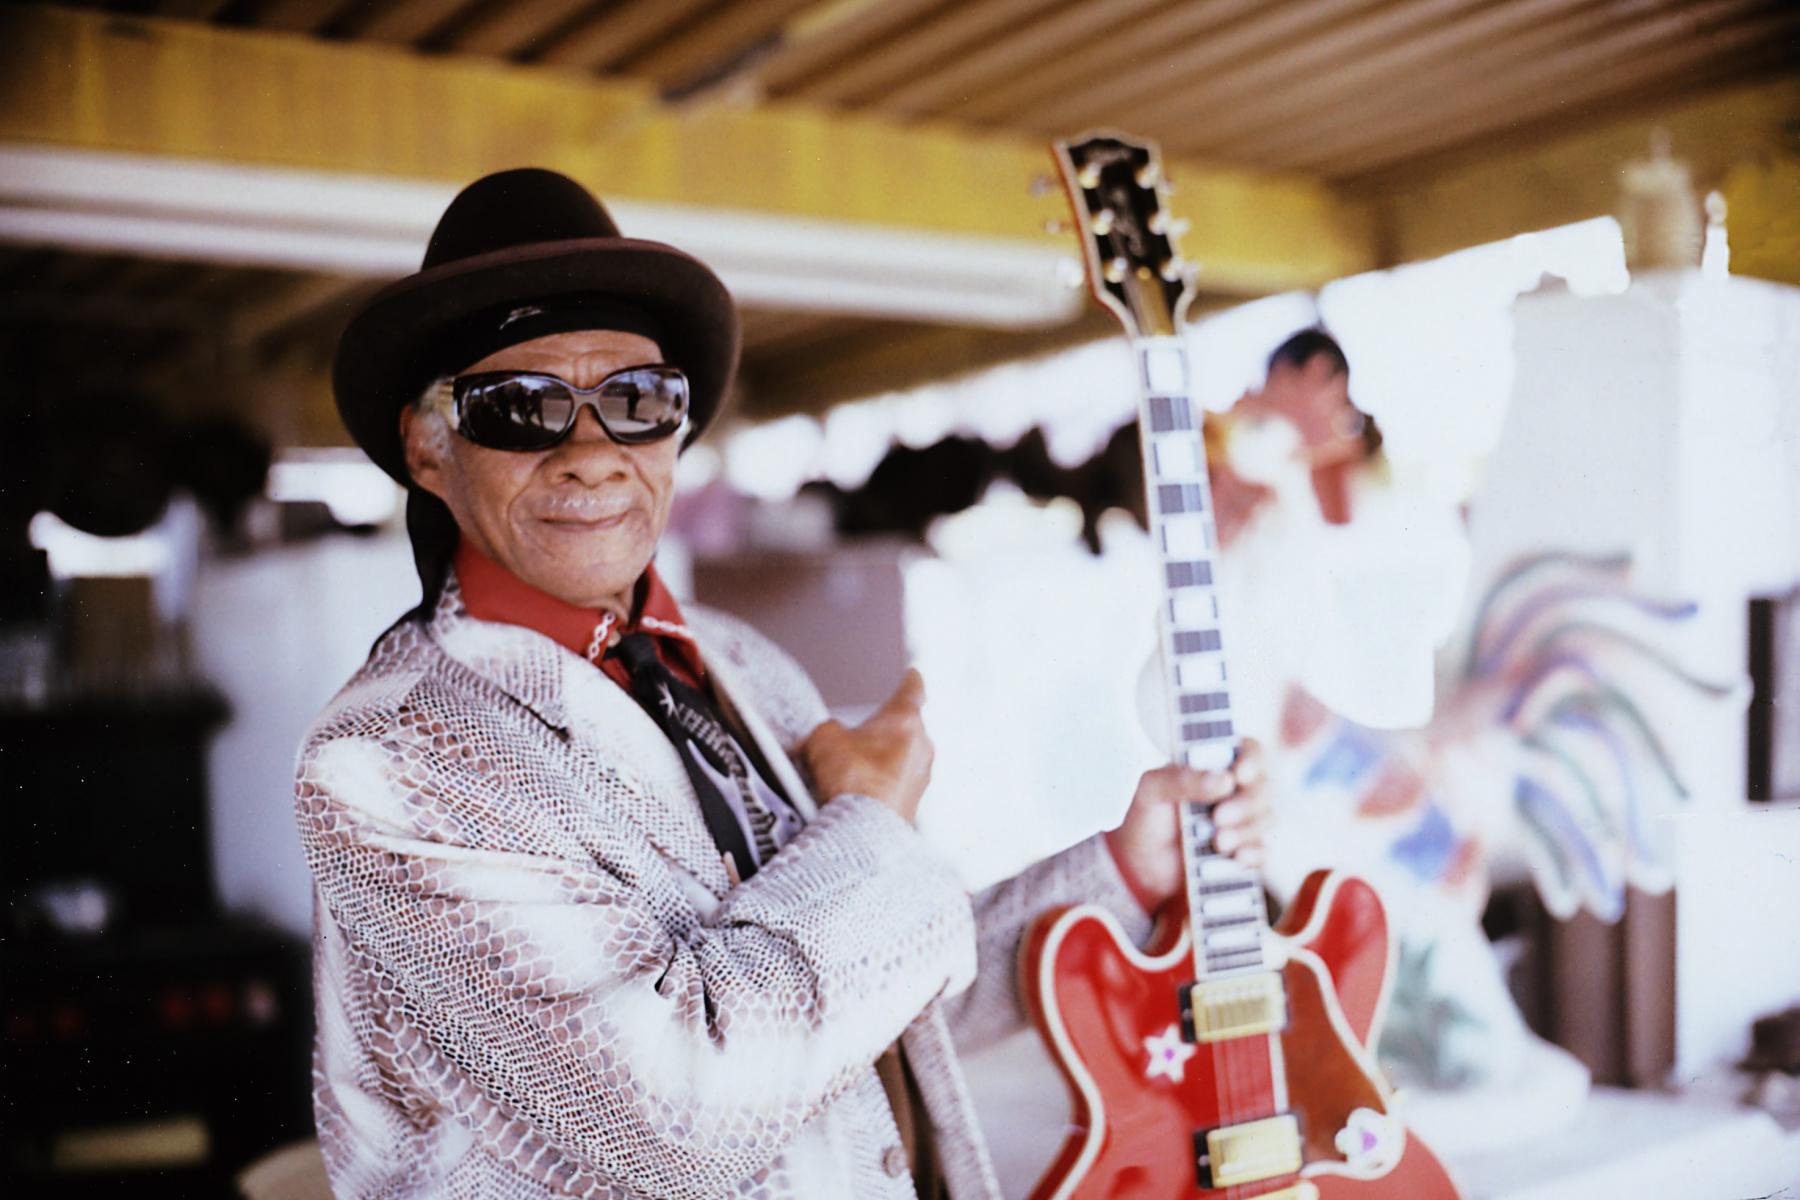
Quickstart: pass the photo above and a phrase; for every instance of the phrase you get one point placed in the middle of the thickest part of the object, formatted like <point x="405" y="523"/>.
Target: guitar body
<point x="1109" y="1014"/>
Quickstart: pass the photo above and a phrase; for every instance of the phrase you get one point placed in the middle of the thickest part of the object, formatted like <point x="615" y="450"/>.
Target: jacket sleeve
<point x="587" y="1028"/>
<point x="1085" y="873"/>
<point x="1081" y="874"/>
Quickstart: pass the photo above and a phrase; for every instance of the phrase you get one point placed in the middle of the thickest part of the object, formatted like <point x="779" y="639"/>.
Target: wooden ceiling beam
<point x="191" y="10"/>
<point x="1734" y="139"/>
<point x="1054" y="38"/>
<point x="1120" y="52"/>
<point x="299" y="16"/>
<point x="514" y="30"/>
<point x="921" y="48"/>
<point x="1644" y="54"/>
<point x="614" y="34"/>
<point x="178" y="90"/>
<point x="1409" y="67"/>
<point x="1289" y="75"/>
<point x="837" y="28"/>
<point x="304" y="297"/>
<point x="714" y="43"/>
<point x="403" y="22"/>
<point x="1587" y="33"/>
<point x="1269" y="31"/>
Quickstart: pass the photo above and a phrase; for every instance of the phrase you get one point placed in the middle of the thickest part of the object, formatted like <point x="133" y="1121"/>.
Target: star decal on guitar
<point x="1168" y="1054"/>
<point x="666" y="698"/>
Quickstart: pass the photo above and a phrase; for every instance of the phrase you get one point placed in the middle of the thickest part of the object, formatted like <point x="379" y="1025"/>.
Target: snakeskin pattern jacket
<point x="534" y="979"/>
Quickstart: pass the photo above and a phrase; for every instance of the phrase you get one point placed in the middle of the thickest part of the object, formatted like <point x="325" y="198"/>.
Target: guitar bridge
<point x="1247" y="1153"/>
<point x="1214" y="1010"/>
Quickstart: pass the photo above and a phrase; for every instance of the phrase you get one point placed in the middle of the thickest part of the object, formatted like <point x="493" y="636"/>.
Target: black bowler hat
<point x="519" y="254"/>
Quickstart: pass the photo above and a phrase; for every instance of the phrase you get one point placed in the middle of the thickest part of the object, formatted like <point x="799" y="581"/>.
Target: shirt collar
<point x="492" y="593"/>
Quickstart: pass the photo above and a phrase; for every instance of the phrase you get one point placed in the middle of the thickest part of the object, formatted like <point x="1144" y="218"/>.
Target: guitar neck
<point x="1224" y="898"/>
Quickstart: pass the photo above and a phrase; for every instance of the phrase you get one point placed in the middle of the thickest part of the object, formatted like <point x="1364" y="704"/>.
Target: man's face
<point x="580" y="520"/>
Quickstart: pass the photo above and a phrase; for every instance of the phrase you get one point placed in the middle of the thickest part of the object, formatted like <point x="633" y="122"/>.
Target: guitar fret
<point x="1189" y="574"/>
<point x="1241" y="948"/>
<point x="1170" y="413"/>
<point x="1229" y="922"/>
<point x="1205" y="731"/>
<point x="1197" y="702"/>
<point x="1196" y="641"/>
<point x="1174" y="498"/>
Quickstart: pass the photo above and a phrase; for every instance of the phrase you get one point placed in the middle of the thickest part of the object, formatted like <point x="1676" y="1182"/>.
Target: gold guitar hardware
<point x="1216" y="1010"/>
<point x="1254" y="1150"/>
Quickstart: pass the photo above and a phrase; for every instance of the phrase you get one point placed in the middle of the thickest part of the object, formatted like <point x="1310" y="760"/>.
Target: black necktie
<point x="747" y="817"/>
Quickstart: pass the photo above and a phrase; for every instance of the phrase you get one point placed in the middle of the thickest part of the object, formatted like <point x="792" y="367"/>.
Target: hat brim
<point x="382" y="357"/>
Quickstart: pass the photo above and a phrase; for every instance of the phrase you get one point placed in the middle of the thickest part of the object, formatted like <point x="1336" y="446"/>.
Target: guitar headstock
<point x="1116" y="188"/>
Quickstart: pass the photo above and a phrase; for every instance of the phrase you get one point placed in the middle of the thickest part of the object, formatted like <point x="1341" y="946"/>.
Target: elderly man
<point x="583" y="929"/>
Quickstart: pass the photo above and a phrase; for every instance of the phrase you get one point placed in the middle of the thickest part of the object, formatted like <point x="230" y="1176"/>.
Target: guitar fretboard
<point x="1225" y="905"/>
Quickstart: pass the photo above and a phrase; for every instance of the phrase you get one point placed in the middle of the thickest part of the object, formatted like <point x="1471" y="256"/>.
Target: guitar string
<point x="1226" y="1058"/>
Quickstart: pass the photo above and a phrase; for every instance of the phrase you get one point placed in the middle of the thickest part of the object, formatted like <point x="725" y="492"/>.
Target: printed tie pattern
<point x="748" y="818"/>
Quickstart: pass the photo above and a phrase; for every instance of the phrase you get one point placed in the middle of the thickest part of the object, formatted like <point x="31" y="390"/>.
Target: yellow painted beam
<point x="1737" y="140"/>
<point x="91" y="80"/>
<point x="1762" y="218"/>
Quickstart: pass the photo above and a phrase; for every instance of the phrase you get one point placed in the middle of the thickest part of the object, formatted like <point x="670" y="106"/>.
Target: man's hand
<point x="887" y="757"/>
<point x="1148" y="843"/>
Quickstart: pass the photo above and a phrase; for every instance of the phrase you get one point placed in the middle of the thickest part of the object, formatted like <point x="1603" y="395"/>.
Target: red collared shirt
<point x="492" y="593"/>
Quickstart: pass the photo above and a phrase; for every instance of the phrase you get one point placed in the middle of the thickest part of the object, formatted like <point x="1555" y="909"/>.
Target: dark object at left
<point x="151" y="1045"/>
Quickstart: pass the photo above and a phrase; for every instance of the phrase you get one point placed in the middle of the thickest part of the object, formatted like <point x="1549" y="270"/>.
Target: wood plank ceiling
<point x="1341" y="88"/>
<point x="1348" y="90"/>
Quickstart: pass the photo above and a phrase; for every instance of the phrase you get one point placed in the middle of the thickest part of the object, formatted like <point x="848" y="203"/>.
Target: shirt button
<point x="893" y="1161"/>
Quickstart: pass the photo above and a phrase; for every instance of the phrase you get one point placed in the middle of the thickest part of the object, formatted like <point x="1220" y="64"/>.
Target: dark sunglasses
<point x="524" y="410"/>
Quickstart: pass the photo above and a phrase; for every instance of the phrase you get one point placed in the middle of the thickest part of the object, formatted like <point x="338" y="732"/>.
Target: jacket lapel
<point x="602" y="725"/>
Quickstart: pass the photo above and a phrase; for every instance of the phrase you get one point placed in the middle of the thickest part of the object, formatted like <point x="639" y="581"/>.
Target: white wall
<point x="1665" y="421"/>
<point x="279" y="632"/>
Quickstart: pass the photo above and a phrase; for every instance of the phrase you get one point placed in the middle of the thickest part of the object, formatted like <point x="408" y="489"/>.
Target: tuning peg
<point x="1179" y="226"/>
<point x="1069" y="273"/>
<point x="1165" y="187"/>
<point x="1158" y="222"/>
<point x="1042" y="185"/>
<point x="1150" y="174"/>
<point x="1055" y="225"/>
<point x="1172" y="269"/>
<point x="1116" y="269"/>
<point x="1089" y="176"/>
<point x="1103" y="222"/>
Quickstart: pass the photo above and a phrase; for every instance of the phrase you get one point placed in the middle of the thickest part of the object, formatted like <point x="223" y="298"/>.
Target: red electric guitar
<point x="1227" y="1061"/>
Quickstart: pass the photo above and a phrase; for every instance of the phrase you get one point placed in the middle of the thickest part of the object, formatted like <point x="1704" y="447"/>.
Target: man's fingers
<point x="912" y="688"/>
<point x="1248" y="767"/>
<point x="910" y="695"/>
<point x="1215" y="785"/>
<point x="1233" y="813"/>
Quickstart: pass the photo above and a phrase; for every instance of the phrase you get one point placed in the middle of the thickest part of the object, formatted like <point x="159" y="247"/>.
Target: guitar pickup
<point x="1215" y="1010"/>
<point x="1256" y="1150"/>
